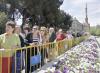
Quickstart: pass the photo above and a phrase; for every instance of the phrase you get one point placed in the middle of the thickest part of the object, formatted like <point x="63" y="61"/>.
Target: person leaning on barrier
<point x="44" y="36"/>
<point x="52" y="49"/>
<point x="20" y="52"/>
<point x="44" y="39"/>
<point x="18" y="31"/>
<point x="60" y="35"/>
<point x="69" y="35"/>
<point x="52" y="34"/>
<point x="8" y="40"/>
<point x="33" y="38"/>
<point x="26" y="30"/>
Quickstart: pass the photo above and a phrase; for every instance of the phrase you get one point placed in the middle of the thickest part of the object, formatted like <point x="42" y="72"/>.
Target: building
<point x="86" y="25"/>
<point x="81" y="27"/>
<point x="76" y="26"/>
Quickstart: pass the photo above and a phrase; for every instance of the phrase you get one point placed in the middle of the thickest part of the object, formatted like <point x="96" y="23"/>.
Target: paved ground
<point x="47" y="65"/>
<point x="98" y="39"/>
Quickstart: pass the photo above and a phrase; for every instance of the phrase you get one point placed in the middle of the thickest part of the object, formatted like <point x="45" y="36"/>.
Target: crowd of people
<point x="14" y="38"/>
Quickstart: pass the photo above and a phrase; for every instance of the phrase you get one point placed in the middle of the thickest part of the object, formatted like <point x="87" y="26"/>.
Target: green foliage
<point x="95" y="30"/>
<point x="44" y="12"/>
<point x="3" y="20"/>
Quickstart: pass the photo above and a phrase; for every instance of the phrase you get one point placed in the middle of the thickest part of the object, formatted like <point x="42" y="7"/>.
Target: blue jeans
<point x="18" y="62"/>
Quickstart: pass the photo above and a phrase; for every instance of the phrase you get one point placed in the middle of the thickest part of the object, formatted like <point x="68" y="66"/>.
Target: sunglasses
<point x="34" y="28"/>
<point x="42" y="30"/>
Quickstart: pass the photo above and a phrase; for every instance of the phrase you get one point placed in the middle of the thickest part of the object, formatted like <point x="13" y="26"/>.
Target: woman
<point x="52" y="34"/>
<point x="59" y="37"/>
<point x="44" y="35"/>
<point x="33" y="38"/>
<point x="18" y="31"/>
<point x="20" y="52"/>
<point x="44" y="39"/>
<point x="8" y="40"/>
<point x="26" y="30"/>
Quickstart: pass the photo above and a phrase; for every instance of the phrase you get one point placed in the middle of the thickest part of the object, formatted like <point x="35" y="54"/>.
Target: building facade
<point x="76" y="26"/>
<point x="81" y="27"/>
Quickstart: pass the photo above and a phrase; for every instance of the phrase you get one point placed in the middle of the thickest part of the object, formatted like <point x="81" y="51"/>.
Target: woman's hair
<point x="18" y="28"/>
<point x="27" y="28"/>
<point x="36" y="26"/>
<point x="44" y="29"/>
<point x="11" y="23"/>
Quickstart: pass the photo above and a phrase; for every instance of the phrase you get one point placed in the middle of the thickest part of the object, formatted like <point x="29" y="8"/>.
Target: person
<point x="17" y="17"/>
<point x="69" y="35"/>
<point x="60" y="35"/>
<point x="33" y="38"/>
<point x="52" y="49"/>
<point x="44" y="39"/>
<point x="26" y="30"/>
<point x="52" y="34"/>
<point x="20" y="52"/>
<point x="8" y="41"/>
<point x="18" y="31"/>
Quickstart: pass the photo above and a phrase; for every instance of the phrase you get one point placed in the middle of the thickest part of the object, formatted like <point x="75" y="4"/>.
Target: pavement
<point x="98" y="39"/>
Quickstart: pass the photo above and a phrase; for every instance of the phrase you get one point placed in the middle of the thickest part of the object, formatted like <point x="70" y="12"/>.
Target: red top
<point x="60" y="36"/>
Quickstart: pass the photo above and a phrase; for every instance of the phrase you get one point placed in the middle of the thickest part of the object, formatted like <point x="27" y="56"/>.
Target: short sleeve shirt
<point x="7" y="42"/>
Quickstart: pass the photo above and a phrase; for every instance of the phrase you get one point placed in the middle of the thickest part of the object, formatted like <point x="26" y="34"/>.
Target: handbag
<point x="35" y="59"/>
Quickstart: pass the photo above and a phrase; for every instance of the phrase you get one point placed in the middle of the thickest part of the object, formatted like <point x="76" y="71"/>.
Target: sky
<point x="76" y="8"/>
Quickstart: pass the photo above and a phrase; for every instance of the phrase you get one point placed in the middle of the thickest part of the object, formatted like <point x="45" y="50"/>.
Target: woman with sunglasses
<point x="33" y="39"/>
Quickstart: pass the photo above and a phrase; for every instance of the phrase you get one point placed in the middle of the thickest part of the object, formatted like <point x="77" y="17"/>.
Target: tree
<point x="43" y="12"/>
<point x="66" y="21"/>
<point x="3" y="20"/>
<point x="95" y="30"/>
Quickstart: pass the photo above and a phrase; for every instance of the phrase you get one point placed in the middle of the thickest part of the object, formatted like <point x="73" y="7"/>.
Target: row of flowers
<point x="83" y="58"/>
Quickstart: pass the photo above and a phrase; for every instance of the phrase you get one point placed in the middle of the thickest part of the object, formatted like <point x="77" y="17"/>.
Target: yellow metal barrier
<point x="47" y="51"/>
<point x="0" y="61"/>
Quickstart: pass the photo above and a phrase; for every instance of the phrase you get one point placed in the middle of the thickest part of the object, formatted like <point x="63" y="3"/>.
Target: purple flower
<point x="65" y="70"/>
<point x="57" y="71"/>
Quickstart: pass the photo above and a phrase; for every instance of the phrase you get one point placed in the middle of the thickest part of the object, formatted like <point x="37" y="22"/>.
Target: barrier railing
<point x="33" y="57"/>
